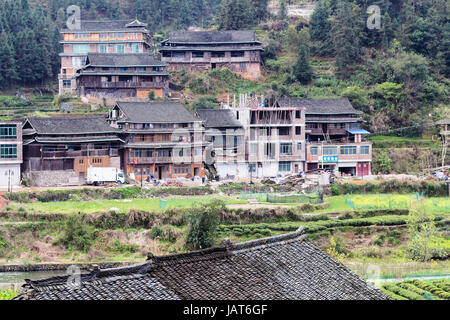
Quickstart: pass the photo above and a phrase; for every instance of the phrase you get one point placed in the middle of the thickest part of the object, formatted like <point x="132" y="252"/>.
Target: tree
<point x="260" y="8"/>
<point x="302" y="69"/>
<point x="425" y="244"/>
<point x="383" y="162"/>
<point x="235" y="15"/>
<point x="345" y="31"/>
<point x="8" y="73"/>
<point x="283" y="12"/>
<point x="320" y="30"/>
<point x="203" y="222"/>
<point x="357" y="96"/>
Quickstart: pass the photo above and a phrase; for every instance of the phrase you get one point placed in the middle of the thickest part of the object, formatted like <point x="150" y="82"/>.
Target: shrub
<point x="156" y="232"/>
<point x="8" y="294"/>
<point x="203" y="222"/>
<point x="77" y="234"/>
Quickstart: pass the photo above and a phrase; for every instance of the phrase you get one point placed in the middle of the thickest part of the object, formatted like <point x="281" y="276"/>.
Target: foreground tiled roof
<point x="218" y="118"/>
<point x="123" y="60"/>
<point x="280" y="267"/>
<point x="320" y="106"/>
<point x="238" y="36"/>
<point x="156" y="112"/>
<point x="71" y="125"/>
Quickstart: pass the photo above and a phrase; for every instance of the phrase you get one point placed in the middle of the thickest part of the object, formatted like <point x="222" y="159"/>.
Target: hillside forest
<point x="397" y="74"/>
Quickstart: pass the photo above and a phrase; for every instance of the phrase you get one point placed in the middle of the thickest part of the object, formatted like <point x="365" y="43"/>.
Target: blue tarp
<point x="358" y="131"/>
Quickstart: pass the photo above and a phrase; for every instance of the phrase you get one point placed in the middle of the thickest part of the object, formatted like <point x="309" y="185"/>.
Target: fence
<point x="313" y="198"/>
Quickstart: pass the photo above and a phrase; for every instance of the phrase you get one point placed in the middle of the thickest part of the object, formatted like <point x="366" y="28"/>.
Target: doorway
<point x="195" y="172"/>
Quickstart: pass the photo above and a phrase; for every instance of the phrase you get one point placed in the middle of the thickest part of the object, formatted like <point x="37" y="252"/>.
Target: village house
<point x="283" y="267"/>
<point x="104" y="37"/>
<point x="122" y="76"/>
<point x="274" y="136"/>
<point x="10" y="153"/>
<point x="335" y="139"/>
<point x="58" y="151"/>
<point x="445" y="135"/>
<point x="226" y="134"/>
<point x="163" y="140"/>
<point x="238" y="51"/>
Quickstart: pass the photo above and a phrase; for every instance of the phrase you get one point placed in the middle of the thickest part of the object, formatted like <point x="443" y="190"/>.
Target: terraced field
<point x="418" y="290"/>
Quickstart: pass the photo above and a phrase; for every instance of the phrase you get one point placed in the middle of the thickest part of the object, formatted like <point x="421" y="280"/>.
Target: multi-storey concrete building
<point x="10" y="153"/>
<point x="239" y="51"/>
<point x="163" y="139"/>
<point x="122" y="76"/>
<point x="334" y="136"/>
<point x="226" y="134"/>
<point x="274" y="137"/>
<point x="104" y="37"/>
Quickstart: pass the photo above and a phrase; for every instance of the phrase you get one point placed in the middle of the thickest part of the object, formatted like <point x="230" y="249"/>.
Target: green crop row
<point x="418" y="290"/>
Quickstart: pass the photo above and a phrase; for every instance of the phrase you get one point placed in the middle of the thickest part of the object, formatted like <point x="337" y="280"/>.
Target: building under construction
<point x="274" y="136"/>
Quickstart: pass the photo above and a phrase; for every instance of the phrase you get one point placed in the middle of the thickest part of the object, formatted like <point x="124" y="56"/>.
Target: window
<point x="180" y="54"/>
<point x="120" y="48"/>
<point x="299" y="146"/>
<point x="67" y="84"/>
<point x="103" y="35"/>
<point x="354" y="125"/>
<point x="123" y="69"/>
<point x="118" y="35"/>
<point x="96" y="160"/>
<point x="284" y="131"/>
<point x="252" y="167"/>
<point x="102" y="48"/>
<point x="135" y="47"/>
<point x="181" y="169"/>
<point x="298" y="114"/>
<point x="329" y="151"/>
<point x="237" y="54"/>
<point x="8" y="131"/>
<point x="218" y="54"/>
<point x="81" y="48"/>
<point x="284" y="166"/>
<point x="364" y="150"/>
<point x="269" y="150"/>
<point x="8" y="151"/>
<point x="196" y="54"/>
<point x="313" y="151"/>
<point x="348" y="150"/>
<point x="253" y="149"/>
<point x="298" y="131"/>
<point x="81" y="35"/>
<point x="286" y="149"/>
<point x="81" y="161"/>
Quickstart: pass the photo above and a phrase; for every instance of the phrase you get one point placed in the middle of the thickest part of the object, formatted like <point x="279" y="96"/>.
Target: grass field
<point x="385" y="201"/>
<point x="149" y="205"/>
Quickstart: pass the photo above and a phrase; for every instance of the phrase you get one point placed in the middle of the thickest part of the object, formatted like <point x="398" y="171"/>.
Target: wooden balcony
<point x="80" y="153"/>
<point x="126" y="84"/>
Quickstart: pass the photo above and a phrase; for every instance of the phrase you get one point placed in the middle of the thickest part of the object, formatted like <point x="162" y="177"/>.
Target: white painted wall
<point x="15" y="179"/>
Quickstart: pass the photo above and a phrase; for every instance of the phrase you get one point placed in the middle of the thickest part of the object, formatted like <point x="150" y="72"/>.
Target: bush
<point x="77" y="234"/>
<point x="156" y="232"/>
<point x="203" y="222"/>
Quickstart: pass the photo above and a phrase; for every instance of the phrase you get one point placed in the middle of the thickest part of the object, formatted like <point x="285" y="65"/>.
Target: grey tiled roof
<point x="281" y="267"/>
<point x="71" y="125"/>
<point x="109" y="25"/>
<point x="320" y="106"/>
<point x="218" y="118"/>
<point x="156" y="112"/>
<point x="242" y="36"/>
<point x="123" y="60"/>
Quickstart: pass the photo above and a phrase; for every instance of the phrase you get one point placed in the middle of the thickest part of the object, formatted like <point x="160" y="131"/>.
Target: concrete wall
<point x="53" y="178"/>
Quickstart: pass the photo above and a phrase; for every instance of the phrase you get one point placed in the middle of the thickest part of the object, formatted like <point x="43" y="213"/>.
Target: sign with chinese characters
<point x="328" y="159"/>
